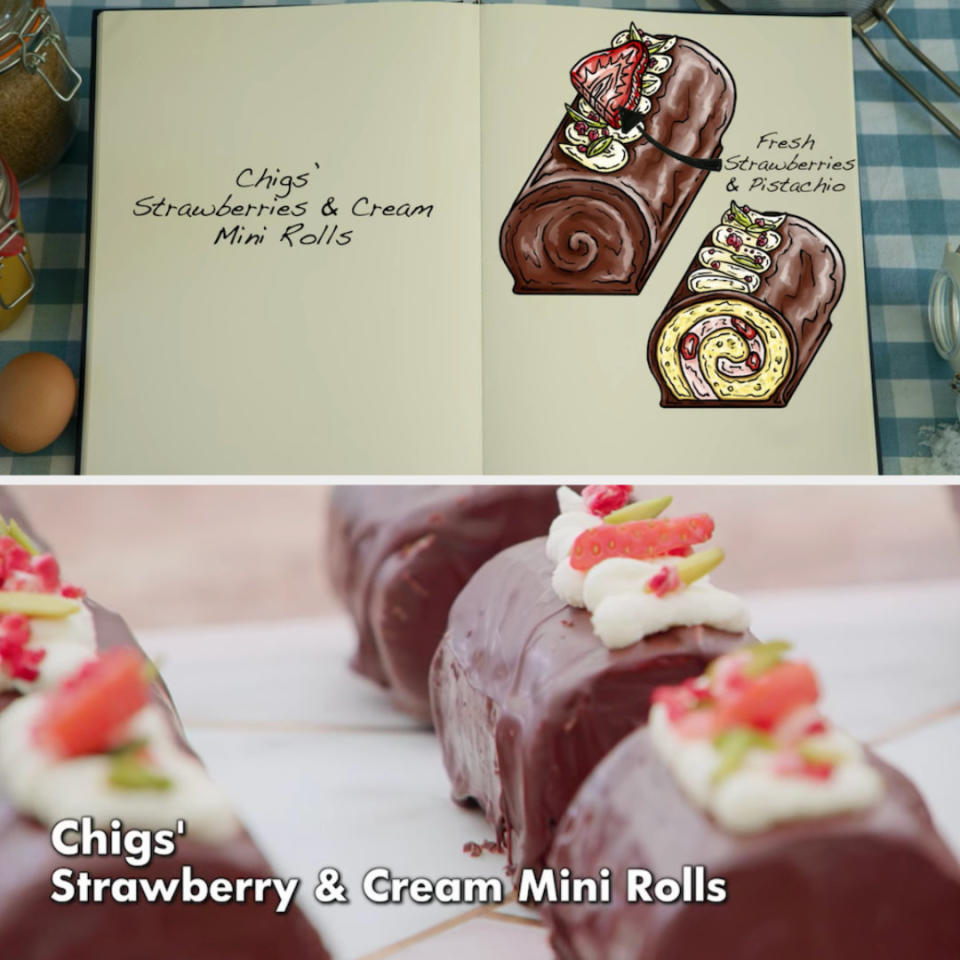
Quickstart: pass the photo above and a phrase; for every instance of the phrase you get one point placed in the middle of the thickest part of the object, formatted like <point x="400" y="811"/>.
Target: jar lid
<point x="27" y="32"/>
<point x="12" y="240"/>
<point x="18" y="31"/>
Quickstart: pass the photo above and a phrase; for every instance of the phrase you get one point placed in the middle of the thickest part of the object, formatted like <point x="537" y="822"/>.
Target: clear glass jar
<point x="38" y="89"/>
<point x="16" y="267"/>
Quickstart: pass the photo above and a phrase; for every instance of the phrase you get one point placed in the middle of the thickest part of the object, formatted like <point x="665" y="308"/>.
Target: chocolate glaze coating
<point x="876" y="885"/>
<point x="398" y="556"/>
<point x="32" y="927"/>
<point x="527" y="699"/>
<point x="800" y="289"/>
<point x="572" y="230"/>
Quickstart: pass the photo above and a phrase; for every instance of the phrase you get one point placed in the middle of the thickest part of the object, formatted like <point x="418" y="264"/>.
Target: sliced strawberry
<point x="89" y="711"/>
<point x="611" y="79"/>
<point x="688" y="346"/>
<point x="639" y="539"/>
<point x="770" y="697"/>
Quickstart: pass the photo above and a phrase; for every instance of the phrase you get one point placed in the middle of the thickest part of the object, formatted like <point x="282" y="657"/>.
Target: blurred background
<point x="164" y="556"/>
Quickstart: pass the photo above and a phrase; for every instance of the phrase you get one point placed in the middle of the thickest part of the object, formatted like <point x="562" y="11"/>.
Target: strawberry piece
<point x="639" y="539"/>
<point x="741" y="326"/>
<point x="665" y="580"/>
<point x="753" y="361"/>
<point x="89" y="711"/>
<point x="604" y="498"/>
<point x="770" y="697"/>
<point x="17" y="661"/>
<point x="793" y="765"/>
<point x="688" y="346"/>
<point x="611" y="79"/>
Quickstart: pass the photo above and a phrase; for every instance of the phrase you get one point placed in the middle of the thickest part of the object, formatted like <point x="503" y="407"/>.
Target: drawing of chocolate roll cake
<point x="622" y="167"/>
<point x="749" y="315"/>
<point x="824" y="850"/>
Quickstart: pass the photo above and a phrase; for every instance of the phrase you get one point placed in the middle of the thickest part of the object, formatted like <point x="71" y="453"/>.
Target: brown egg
<point x="37" y="397"/>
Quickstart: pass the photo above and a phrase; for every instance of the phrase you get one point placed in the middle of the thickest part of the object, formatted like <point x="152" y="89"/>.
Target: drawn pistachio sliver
<point x="634" y="32"/>
<point x="576" y="115"/>
<point x="655" y="47"/>
<point x="650" y="85"/>
<point x="598" y="146"/>
<point x="745" y="261"/>
<point x="742" y="219"/>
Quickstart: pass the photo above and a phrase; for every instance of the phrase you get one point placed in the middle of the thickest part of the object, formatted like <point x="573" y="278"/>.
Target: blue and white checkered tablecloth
<point x="909" y="178"/>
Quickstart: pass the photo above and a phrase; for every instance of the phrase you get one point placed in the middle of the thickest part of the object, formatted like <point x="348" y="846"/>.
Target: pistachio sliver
<point x="579" y="117"/>
<point x="742" y="219"/>
<point x="745" y="261"/>
<point x="733" y="745"/>
<point x="50" y="605"/>
<point x="698" y="565"/>
<point x="815" y="753"/>
<point x="765" y="656"/>
<point x="598" y="146"/>
<point x="635" y="33"/>
<point x="129" y="772"/>
<point x="14" y="530"/>
<point x="641" y="510"/>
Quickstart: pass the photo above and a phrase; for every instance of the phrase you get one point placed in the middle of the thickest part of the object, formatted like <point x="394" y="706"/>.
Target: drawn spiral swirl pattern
<point x="723" y="350"/>
<point x="563" y="236"/>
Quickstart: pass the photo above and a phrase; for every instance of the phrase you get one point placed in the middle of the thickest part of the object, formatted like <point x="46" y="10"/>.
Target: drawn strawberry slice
<point x="611" y="79"/>
<point x="743" y="327"/>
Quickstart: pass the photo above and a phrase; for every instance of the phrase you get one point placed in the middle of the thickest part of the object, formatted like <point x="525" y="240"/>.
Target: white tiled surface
<point x="325" y="773"/>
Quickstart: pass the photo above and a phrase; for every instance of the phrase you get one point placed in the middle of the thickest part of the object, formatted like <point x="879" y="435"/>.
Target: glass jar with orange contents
<point x="38" y="89"/>
<point x="16" y="268"/>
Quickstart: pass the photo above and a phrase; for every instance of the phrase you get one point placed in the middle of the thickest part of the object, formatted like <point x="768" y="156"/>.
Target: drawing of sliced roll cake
<point x="750" y="313"/>
<point x="622" y="167"/>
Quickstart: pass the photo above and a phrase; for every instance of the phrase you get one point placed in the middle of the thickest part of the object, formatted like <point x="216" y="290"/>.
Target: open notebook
<point x="424" y="238"/>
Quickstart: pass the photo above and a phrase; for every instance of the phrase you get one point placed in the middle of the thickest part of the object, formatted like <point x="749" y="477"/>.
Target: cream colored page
<point x="356" y="356"/>
<point x="567" y="387"/>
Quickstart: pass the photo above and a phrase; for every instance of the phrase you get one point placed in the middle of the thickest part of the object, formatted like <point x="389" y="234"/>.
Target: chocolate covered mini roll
<point x="622" y="167"/>
<point x="823" y="849"/>
<point x="529" y="692"/>
<point x="749" y="315"/>
<point x="398" y="556"/>
<point x="87" y="729"/>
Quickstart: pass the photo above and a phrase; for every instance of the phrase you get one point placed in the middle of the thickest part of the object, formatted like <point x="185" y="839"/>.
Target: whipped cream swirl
<point x="51" y="788"/>
<point x="614" y="590"/>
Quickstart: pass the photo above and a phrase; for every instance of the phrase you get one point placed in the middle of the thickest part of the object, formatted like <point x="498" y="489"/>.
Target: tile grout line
<point x="915" y="725"/>
<point x="459" y="920"/>
<point x="513" y="918"/>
